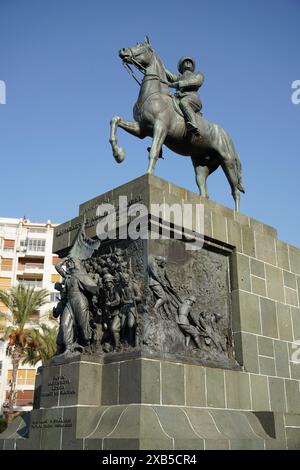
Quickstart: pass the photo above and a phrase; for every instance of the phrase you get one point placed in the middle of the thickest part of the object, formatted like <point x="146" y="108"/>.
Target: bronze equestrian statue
<point x="159" y="115"/>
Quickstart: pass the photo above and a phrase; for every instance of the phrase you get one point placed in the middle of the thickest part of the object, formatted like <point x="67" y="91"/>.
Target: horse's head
<point x="139" y="55"/>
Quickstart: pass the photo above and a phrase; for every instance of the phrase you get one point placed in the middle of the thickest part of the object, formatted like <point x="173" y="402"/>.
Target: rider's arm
<point x="59" y="268"/>
<point x="195" y="80"/>
<point x="172" y="77"/>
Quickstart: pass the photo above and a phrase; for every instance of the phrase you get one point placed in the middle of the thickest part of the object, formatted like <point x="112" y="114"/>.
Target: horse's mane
<point x="159" y="64"/>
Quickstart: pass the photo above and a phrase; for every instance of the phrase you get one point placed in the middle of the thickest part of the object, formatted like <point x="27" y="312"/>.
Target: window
<point x="24" y="398"/>
<point x="6" y="264"/>
<point x="24" y="376"/>
<point x="9" y="245"/>
<point x="34" y="244"/>
<point x="37" y="230"/>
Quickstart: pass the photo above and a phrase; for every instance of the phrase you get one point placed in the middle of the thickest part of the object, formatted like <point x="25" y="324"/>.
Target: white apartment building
<point x="25" y="258"/>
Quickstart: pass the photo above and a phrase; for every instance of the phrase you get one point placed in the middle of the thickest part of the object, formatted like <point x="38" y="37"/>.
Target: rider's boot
<point x="190" y="118"/>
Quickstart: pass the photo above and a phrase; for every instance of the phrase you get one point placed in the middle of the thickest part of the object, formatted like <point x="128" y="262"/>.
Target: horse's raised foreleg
<point x="159" y="135"/>
<point x="132" y="127"/>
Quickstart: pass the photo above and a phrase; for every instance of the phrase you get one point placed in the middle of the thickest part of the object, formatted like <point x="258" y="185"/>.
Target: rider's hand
<point x="174" y="85"/>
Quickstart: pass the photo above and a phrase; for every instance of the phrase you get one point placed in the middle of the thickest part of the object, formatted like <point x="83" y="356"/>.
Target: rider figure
<point x="187" y="83"/>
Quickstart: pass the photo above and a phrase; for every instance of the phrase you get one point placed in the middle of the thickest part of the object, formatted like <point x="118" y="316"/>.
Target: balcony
<point x="31" y="283"/>
<point x="35" y="250"/>
<point x="33" y="246"/>
<point x="30" y="268"/>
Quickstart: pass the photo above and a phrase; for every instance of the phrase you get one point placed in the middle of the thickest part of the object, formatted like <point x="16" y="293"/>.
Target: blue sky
<point x="64" y="81"/>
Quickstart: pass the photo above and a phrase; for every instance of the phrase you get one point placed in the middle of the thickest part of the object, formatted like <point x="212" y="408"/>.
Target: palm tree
<point x="22" y="302"/>
<point x="41" y="344"/>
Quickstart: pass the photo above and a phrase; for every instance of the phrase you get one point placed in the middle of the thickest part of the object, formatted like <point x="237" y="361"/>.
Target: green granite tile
<point x="292" y="396"/>
<point x="282" y="255"/>
<point x="265" y="346"/>
<point x="284" y="322"/>
<point x="240" y="272"/>
<point x="281" y="358"/>
<point x="172" y="383"/>
<point x="248" y="241"/>
<point x="291" y="297"/>
<point x="268" y="318"/>
<point x="267" y="365"/>
<point x="259" y="391"/>
<point x="274" y="279"/>
<point x="257" y="268"/>
<point x="237" y="390"/>
<point x="234" y="234"/>
<point x="215" y="388"/>
<point x="265" y="248"/>
<point x="294" y="255"/>
<point x="296" y="322"/>
<point x="258" y="286"/>
<point x="289" y="279"/>
<point x="195" y="385"/>
<point x="277" y="394"/>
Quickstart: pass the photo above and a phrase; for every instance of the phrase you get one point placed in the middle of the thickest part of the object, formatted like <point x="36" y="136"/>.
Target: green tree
<point x="40" y="344"/>
<point x="22" y="303"/>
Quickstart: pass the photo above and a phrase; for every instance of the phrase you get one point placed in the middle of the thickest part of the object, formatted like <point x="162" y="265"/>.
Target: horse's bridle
<point x="152" y="76"/>
<point x="133" y="57"/>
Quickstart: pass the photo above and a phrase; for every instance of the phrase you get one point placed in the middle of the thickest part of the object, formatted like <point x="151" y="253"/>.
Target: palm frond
<point x="41" y="344"/>
<point x="23" y="301"/>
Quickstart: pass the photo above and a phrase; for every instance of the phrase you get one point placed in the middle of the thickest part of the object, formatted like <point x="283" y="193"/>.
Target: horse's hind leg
<point x="201" y="174"/>
<point x="203" y="170"/>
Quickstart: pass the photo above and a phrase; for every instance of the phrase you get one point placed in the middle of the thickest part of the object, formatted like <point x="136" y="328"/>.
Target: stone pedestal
<point x="160" y="394"/>
<point x="142" y="403"/>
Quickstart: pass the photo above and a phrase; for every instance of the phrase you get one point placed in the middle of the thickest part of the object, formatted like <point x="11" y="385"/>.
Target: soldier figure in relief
<point x="130" y="297"/>
<point x="112" y="309"/>
<point x="184" y="322"/>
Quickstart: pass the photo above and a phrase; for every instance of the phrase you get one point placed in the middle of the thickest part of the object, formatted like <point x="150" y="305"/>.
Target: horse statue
<point x="157" y="115"/>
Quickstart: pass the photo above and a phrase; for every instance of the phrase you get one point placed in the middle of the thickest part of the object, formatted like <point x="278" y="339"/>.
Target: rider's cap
<point x="179" y="66"/>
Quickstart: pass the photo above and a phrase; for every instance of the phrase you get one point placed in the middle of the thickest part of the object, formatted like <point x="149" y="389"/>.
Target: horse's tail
<point x="238" y="164"/>
<point x="233" y="153"/>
